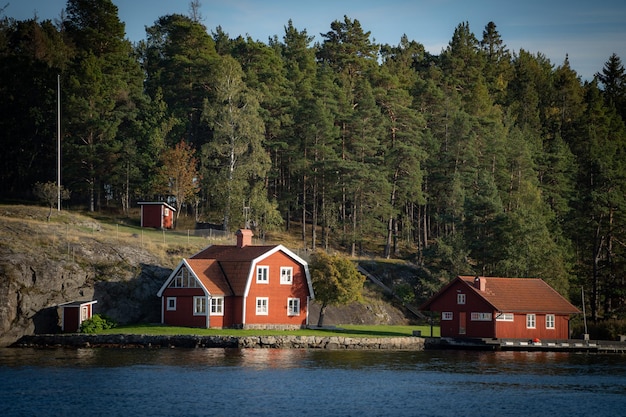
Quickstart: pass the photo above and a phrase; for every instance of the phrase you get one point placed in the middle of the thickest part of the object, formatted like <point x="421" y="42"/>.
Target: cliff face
<point x="42" y="265"/>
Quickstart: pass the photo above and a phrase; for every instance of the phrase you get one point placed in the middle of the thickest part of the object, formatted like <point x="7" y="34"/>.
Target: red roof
<point x="235" y="263"/>
<point x="205" y="268"/>
<point x="516" y="295"/>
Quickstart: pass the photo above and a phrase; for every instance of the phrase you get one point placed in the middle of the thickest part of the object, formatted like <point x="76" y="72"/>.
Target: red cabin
<point x="242" y="286"/>
<point x="157" y="214"/>
<point x="74" y="313"/>
<point x="488" y="307"/>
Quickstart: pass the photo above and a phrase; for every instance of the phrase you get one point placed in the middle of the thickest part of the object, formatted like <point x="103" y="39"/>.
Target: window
<point x="262" y="274"/>
<point x="171" y="303"/>
<point x="217" y="306"/>
<point x="480" y="317"/>
<point x="184" y="279"/>
<point x="446" y="315"/>
<point x="84" y="313"/>
<point x="504" y="317"/>
<point x="261" y="306"/>
<point x="530" y="321"/>
<point x="199" y="306"/>
<point x="549" y="321"/>
<point x="286" y="274"/>
<point x="293" y="306"/>
<point x="460" y="298"/>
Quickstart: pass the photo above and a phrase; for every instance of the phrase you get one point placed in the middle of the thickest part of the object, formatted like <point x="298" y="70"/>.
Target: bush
<point x="97" y="323"/>
<point x="610" y="329"/>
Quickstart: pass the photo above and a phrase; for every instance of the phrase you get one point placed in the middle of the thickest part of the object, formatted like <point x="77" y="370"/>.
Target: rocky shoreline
<point x="192" y="341"/>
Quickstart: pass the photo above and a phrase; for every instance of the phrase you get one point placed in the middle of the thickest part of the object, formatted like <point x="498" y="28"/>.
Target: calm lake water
<point x="273" y="382"/>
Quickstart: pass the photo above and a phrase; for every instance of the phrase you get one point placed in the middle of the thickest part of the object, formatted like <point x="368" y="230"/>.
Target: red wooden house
<point x="488" y="307"/>
<point x="157" y="214"/>
<point x="74" y="313"/>
<point x="242" y="286"/>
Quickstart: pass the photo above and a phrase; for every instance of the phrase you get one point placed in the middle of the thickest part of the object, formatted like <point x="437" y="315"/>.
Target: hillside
<point x="78" y="257"/>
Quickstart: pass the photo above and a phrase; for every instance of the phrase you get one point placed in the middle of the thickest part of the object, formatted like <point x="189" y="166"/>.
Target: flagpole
<point x="58" y="142"/>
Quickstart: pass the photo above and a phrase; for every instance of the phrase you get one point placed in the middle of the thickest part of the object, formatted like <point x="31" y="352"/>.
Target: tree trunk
<point x="320" y="321"/>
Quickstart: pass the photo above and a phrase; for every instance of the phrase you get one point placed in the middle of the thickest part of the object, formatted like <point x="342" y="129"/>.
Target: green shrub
<point x="610" y="329"/>
<point x="97" y="323"/>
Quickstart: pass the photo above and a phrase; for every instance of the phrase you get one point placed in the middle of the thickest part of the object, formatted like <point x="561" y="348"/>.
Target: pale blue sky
<point x="588" y="31"/>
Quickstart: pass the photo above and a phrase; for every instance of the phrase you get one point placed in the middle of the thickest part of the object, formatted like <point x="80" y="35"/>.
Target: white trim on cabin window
<point x="480" y="317"/>
<point x="447" y="315"/>
<point x="460" y="299"/>
<point x="217" y="306"/>
<point x="262" y="274"/>
<point x="262" y="306"/>
<point x="550" y="322"/>
<point x="293" y="306"/>
<point x="505" y="317"/>
<point x="199" y="305"/>
<point x="531" y="321"/>
<point x="286" y="275"/>
<point x="170" y="303"/>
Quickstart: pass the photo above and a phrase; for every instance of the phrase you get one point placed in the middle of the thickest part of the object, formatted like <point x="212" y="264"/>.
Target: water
<point x="273" y="382"/>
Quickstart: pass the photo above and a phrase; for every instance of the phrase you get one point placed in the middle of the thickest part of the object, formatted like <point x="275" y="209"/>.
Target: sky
<point x="588" y="32"/>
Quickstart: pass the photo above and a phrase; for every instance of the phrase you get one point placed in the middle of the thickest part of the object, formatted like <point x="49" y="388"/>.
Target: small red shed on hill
<point x="157" y="214"/>
<point x="489" y="307"/>
<point x="74" y="313"/>
<point x="242" y="286"/>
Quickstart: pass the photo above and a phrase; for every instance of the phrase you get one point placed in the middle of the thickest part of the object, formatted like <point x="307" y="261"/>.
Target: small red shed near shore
<point x="157" y="214"/>
<point x="490" y="307"/>
<point x="74" y="313"/>
<point x="241" y="286"/>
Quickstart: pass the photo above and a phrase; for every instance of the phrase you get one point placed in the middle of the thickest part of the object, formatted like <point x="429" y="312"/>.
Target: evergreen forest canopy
<point x="478" y="160"/>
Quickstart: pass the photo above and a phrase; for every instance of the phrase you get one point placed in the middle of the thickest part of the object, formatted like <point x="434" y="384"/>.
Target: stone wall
<point x="189" y="341"/>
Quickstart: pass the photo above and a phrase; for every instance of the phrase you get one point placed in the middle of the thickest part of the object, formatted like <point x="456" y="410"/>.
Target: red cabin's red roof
<point x="514" y="295"/>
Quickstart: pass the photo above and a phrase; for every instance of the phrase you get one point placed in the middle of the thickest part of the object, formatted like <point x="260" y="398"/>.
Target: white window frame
<point x="217" y="306"/>
<point x="447" y="315"/>
<point x="262" y="306"/>
<point x="505" y="317"/>
<point x="480" y="317"/>
<point x="460" y="299"/>
<point x="286" y="275"/>
<point x="199" y="305"/>
<point x="170" y="303"/>
<point x="262" y="274"/>
<point x="550" y="321"/>
<point x="84" y="313"/>
<point x="531" y="321"/>
<point x="293" y="306"/>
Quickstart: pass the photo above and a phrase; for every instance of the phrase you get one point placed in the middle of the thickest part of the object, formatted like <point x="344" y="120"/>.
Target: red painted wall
<point x="183" y="316"/>
<point x="517" y="329"/>
<point x="278" y="293"/>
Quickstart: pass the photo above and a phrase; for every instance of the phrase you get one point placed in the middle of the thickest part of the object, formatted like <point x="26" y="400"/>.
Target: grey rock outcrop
<point x="41" y="268"/>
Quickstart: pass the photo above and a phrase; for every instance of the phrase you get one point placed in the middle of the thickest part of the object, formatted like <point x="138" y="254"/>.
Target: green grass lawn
<point x="348" y="330"/>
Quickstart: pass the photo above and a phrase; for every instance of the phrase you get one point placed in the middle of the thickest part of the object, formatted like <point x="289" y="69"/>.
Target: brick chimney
<point x="244" y="237"/>
<point x="480" y="283"/>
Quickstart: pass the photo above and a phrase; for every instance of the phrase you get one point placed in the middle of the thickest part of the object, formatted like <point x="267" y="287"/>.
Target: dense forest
<point x="478" y="160"/>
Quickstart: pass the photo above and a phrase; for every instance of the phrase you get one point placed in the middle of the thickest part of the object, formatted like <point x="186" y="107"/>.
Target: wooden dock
<point x="571" y="345"/>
